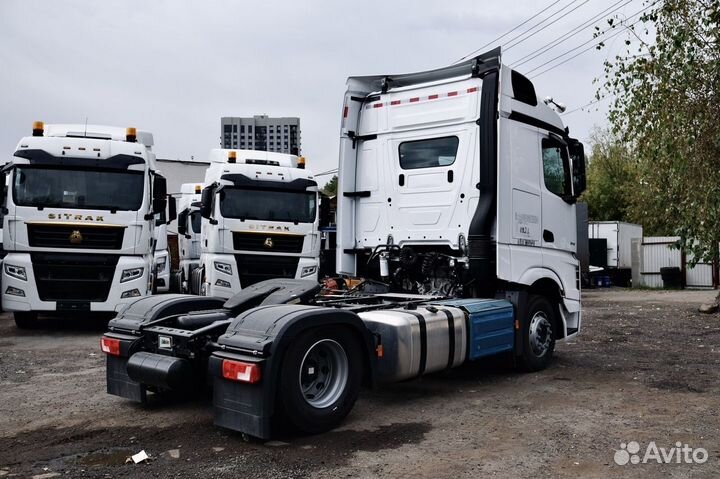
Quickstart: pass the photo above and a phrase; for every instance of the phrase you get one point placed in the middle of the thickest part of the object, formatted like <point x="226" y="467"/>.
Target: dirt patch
<point x="646" y="367"/>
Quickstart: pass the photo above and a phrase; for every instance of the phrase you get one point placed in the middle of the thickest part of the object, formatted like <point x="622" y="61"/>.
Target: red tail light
<point x="240" y="371"/>
<point x="110" y="346"/>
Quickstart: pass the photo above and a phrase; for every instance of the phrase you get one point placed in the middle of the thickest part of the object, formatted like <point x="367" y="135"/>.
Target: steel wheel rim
<point x="540" y="333"/>
<point x="323" y="373"/>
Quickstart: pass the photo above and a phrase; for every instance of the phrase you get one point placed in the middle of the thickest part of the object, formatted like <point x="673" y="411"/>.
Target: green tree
<point x="667" y="107"/>
<point x="610" y="178"/>
<point x="330" y="188"/>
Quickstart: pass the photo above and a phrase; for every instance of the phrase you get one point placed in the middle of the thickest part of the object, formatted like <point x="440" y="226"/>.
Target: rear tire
<point x="25" y="319"/>
<point x="538" y="334"/>
<point x="320" y="379"/>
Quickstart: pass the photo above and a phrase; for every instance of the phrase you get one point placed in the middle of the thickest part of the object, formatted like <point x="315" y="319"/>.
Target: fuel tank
<point x="417" y="341"/>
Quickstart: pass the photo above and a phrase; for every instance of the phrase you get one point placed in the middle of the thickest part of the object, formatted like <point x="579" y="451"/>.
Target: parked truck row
<point x="456" y="205"/>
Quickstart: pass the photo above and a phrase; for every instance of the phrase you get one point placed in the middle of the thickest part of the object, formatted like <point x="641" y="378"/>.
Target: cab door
<point x="558" y="214"/>
<point x="559" y="231"/>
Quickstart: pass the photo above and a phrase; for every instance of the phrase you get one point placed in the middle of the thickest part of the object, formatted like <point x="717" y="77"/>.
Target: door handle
<point x="548" y="236"/>
<point x="401" y="180"/>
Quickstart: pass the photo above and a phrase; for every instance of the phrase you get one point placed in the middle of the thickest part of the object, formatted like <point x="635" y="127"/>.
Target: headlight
<point x="131" y="274"/>
<point x="223" y="267"/>
<point x="307" y="271"/>
<point x="15" y="271"/>
<point x="160" y="265"/>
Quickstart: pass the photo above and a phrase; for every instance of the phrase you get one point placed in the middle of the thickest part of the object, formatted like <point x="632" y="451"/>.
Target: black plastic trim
<point x="242" y="181"/>
<point x="43" y="158"/>
<point x="536" y="122"/>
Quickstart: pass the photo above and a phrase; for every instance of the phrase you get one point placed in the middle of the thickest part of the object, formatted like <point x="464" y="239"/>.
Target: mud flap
<point x="241" y="407"/>
<point x="120" y="384"/>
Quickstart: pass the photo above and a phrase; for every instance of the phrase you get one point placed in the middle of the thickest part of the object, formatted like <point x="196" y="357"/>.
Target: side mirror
<point x="182" y="222"/>
<point x="577" y="153"/>
<point x="172" y="209"/>
<point x="206" y="200"/>
<point x="159" y="194"/>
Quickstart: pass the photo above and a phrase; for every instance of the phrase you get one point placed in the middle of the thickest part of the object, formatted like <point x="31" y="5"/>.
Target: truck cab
<point x="188" y="227"/>
<point x="79" y="221"/>
<point x="161" y="256"/>
<point x="260" y="221"/>
<point x="461" y="182"/>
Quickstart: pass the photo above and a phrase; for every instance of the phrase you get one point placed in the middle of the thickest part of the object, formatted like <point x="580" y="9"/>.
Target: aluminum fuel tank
<point x="417" y="341"/>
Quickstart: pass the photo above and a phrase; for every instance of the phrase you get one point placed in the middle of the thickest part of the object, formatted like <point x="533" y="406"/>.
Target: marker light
<point x="38" y="128"/>
<point x="240" y="371"/>
<point x="110" y="346"/>
<point x="232" y="156"/>
<point x="198" y="189"/>
<point x="131" y="134"/>
<point x="301" y="163"/>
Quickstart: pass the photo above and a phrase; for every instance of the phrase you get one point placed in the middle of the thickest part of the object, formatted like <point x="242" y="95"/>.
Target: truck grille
<point x="74" y="236"/>
<point x="279" y="243"/>
<point x="73" y="276"/>
<point x="255" y="268"/>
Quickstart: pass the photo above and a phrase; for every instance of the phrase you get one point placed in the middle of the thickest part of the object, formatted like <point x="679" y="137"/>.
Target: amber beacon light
<point x="38" y="128"/>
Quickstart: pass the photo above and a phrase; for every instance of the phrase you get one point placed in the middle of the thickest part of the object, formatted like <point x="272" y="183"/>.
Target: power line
<point x="509" y="31"/>
<point x="568" y="35"/>
<point x="543" y="28"/>
<point x="596" y="100"/>
<point x="328" y="172"/>
<point x="591" y="46"/>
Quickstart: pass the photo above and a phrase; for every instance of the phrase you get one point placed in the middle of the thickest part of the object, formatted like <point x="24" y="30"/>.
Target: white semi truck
<point x="79" y="220"/>
<point x="188" y="227"/>
<point x="457" y="192"/>
<point x="161" y="258"/>
<point x="260" y="221"/>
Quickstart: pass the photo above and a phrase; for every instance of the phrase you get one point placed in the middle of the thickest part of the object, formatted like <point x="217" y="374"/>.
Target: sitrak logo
<point x="629" y="453"/>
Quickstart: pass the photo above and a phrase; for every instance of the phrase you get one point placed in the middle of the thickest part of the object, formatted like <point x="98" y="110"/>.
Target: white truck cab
<point x="188" y="227"/>
<point x="79" y="220"/>
<point x="161" y="261"/>
<point x="460" y="182"/>
<point x="260" y="221"/>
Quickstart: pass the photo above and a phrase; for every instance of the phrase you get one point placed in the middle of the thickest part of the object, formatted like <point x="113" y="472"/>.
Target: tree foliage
<point x="610" y="178"/>
<point x="330" y="188"/>
<point x="667" y="108"/>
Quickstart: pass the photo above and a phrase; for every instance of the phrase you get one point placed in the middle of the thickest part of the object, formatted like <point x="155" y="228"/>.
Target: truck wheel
<point x="320" y="379"/>
<point x="25" y="319"/>
<point x="538" y="334"/>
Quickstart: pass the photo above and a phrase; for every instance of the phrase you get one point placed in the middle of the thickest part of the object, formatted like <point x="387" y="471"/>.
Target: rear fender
<point x="262" y="335"/>
<point x="147" y="310"/>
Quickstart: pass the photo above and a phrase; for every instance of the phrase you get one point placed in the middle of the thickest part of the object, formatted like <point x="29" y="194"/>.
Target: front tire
<point x="25" y="319"/>
<point x="320" y="379"/>
<point x="538" y="334"/>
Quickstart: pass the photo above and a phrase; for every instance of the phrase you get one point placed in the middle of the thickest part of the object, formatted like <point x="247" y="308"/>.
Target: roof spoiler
<point x="476" y="66"/>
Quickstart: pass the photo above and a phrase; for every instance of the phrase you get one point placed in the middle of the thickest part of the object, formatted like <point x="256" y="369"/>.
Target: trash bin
<point x="671" y="277"/>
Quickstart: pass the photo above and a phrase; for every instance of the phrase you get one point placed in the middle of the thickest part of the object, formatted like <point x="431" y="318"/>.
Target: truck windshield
<point x="268" y="205"/>
<point x="78" y="188"/>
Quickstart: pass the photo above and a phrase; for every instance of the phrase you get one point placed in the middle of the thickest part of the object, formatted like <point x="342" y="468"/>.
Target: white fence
<point x="655" y="252"/>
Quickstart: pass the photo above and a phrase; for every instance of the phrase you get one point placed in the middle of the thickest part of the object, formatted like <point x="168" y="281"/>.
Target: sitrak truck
<point x="260" y="221"/>
<point x="457" y="192"/>
<point x="188" y="229"/>
<point x="79" y="220"/>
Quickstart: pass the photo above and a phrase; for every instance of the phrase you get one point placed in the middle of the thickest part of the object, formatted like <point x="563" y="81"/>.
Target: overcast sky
<point x="175" y="67"/>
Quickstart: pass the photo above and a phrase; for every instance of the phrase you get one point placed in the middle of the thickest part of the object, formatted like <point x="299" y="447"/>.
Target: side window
<point x="428" y="153"/>
<point x="556" y="167"/>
